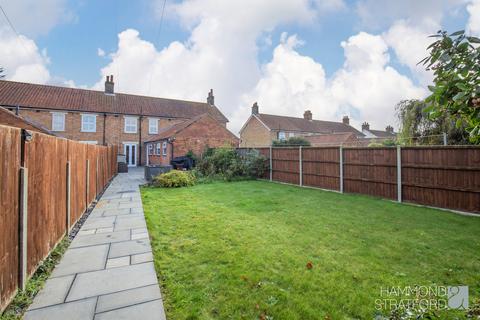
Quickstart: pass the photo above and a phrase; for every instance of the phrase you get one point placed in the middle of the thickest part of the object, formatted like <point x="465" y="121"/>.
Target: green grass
<point x="239" y="250"/>
<point x="24" y="298"/>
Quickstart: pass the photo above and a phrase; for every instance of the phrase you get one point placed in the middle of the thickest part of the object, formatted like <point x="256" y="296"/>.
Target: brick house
<point x="261" y="129"/>
<point x="102" y="117"/>
<point x="8" y="118"/>
<point x="191" y="135"/>
<point x="378" y="134"/>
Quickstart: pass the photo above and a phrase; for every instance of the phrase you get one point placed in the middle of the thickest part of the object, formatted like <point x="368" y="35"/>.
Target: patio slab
<point x="107" y="272"/>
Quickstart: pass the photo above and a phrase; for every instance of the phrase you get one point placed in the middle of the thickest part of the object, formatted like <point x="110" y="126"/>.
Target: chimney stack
<point x="389" y="129"/>
<point x="307" y="115"/>
<point x="255" y="108"/>
<point x="211" y="98"/>
<point x="346" y="120"/>
<point x="109" y="84"/>
<point x="365" y="126"/>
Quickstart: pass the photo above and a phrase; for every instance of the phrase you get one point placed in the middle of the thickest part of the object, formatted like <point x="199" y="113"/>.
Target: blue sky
<point x="334" y="57"/>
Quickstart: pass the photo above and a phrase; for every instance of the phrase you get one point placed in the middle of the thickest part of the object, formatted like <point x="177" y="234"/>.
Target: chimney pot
<point x="389" y="129"/>
<point x="346" y="120"/>
<point x="365" y="126"/>
<point x="307" y="115"/>
<point x="109" y="85"/>
<point x="255" y="108"/>
<point x="211" y="98"/>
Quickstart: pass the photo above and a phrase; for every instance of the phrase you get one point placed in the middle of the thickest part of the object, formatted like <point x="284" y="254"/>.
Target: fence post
<point x="341" y="167"/>
<point x="68" y="195"/>
<point x="399" y="174"/>
<point x="23" y="236"/>
<point x="445" y="139"/>
<point x="97" y="188"/>
<point x="271" y="162"/>
<point x="87" y="184"/>
<point x="300" y="163"/>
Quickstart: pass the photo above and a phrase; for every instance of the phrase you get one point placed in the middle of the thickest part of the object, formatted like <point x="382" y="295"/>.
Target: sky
<point x="333" y="57"/>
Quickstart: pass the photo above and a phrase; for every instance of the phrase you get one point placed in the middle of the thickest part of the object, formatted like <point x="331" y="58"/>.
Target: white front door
<point x="130" y="150"/>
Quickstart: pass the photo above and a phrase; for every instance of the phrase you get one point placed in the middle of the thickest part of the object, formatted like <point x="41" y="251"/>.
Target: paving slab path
<point x="107" y="272"/>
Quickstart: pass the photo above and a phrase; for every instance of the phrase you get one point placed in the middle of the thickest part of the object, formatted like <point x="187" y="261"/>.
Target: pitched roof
<point x="331" y="139"/>
<point x="8" y="118"/>
<point x="173" y="130"/>
<point x="275" y="122"/>
<point x="383" y="134"/>
<point x="62" y="98"/>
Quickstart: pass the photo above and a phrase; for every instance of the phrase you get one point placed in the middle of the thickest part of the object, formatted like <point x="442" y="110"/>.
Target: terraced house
<point x="102" y="117"/>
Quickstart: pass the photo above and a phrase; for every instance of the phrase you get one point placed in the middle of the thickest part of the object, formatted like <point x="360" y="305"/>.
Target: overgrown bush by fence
<point x="441" y="176"/>
<point x="47" y="183"/>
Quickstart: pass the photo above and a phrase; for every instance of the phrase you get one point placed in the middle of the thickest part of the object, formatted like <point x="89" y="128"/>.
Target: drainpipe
<point x="140" y="141"/>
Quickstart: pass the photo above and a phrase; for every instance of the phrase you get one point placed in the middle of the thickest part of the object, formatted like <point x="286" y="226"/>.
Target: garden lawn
<point x="240" y="251"/>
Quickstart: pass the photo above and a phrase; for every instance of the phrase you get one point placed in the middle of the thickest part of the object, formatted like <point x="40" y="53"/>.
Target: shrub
<point x="292" y="141"/>
<point x="174" y="179"/>
<point x="228" y="164"/>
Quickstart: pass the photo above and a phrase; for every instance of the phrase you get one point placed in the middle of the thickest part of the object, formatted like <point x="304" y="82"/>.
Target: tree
<point x="417" y="127"/>
<point x="455" y="60"/>
<point x="292" y="141"/>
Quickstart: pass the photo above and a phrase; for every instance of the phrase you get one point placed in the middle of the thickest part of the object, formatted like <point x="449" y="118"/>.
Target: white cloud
<point x="21" y="58"/>
<point x="366" y="88"/>
<point x="34" y="17"/>
<point x="473" y="25"/>
<point x="410" y="46"/>
<point x="100" y="52"/>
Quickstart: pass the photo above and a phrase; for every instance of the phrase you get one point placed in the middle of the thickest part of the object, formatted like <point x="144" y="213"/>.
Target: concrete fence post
<point x="23" y="229"/>
<point x="87" y="184"/>
<point x="69" y="172"/>
<point x="341" y="167"/>
<point x="300" y="163"/>
<point x="399" y="174"/>
<point x="271" y="162"/>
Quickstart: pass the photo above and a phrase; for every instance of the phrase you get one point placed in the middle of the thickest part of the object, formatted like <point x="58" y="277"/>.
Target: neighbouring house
<point x="103" y="117"/>
<point x="192" y="135"/>
<point x="378" y="134"/>
<point x="8" y="118"/>
<point x="262" y="129"/>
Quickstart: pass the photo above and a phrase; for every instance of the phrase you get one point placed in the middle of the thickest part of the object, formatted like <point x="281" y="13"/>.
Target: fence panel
<point x="321" y="168"/>
<point x="46" y="160"/>
<point x="77" y="155"/>
<point x="92" y="151"/>
<point x="371" y="171"/>
<point x="285" y="165"/>
<point x="10" y="139"/>
<point x="446" y="177"/>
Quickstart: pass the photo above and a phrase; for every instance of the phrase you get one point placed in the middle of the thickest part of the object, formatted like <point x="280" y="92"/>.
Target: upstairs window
<point x="130" y="125"/>
<point x="152" y="126"/>
<point x="159" y="147"/>
<point x="164" y="148"/>
<point x="58" y="121"/>
<point x="89" y="123"/>
<point x="281" y="135"/>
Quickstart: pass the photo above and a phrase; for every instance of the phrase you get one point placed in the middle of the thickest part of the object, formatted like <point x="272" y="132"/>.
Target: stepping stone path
<point x="107" y="272"/>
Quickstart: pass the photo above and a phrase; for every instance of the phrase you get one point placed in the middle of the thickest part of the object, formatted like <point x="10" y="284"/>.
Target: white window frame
<point x="158" y="149"/>
<point x="164" y="148"/>
<point x="152" y="125"/>
<point x="150" y="149"/>
<point x="281" y="135"/>
<point x="56" y="127"/>
<point x="128" y="126"/>
<point x="89" y="142"/>
<point x="84" y="127"/>
<point x="291" y="134"/>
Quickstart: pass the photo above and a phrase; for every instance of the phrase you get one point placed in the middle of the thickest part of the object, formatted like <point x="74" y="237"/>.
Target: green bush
<point x="228" y="164"/>
<point x="174" y="179"/>
<point x="292" y="141"/>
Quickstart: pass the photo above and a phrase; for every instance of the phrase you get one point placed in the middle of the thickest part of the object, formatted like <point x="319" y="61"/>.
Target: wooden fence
<point x="47" y="183"/>
<point x="441" y="176"/>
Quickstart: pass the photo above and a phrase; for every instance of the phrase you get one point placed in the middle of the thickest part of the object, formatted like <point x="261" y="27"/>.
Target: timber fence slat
<point x="438" y="176"/>
<point x="47" y="174"/>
